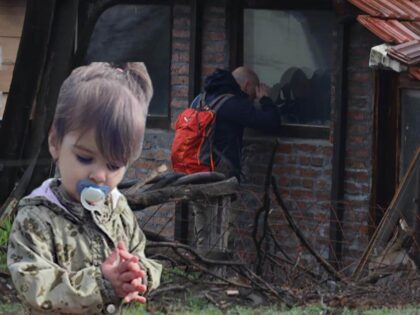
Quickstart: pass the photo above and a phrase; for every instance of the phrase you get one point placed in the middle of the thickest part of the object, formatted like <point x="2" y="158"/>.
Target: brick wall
<point x="157" y="144"/>
<point x="359" y="142"/>
<point x="303" y="167"/>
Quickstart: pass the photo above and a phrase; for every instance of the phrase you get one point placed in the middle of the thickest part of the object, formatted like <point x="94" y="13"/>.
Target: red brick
<point x="181" y="10"/>
<point x="176" y="33"/>
<point x="321" y="185"/>
<point x="214" y="57"/>
<point x="359" y="130"/>
<point x="358" y="90"/>
<point x="177" y="103"/>
<point x="307" y="183"/>
<point x="216" y="11"/>
<point x="360" y="77"/>
<point x="285" y="148"/>
<point x="179" y="80"/>
<point x="358" y="115"/>
<point x="208" y="69"/>
<point x="283" y="181"/>
<point x="214" y="23"/>
<point x="358" y="153"/>
<point x="305" y="160"/>
<point x="181" y="23"/>
<point x="295" y="182"/>
<point x="215" y="46"/>
<point x="179" y="45"/>
<point x="302" y="195"/>
<point x="356" y="164"/>
<point x="358" y="176"/>
<point x="279" y="158"/>
<point x="307" y="172"/>
<point x="307" y="147"/>
<point x="290" y="170"/>
<point x="316" y="161"/>
<point x="179" y="90"/>
<point x="180" y="57"/>
<point x="215" y="35"/>
<point x="352" y="188"/>
<point x="323" y="196"/>
<point x="327" y="151"/>
<point x="179" y="69"/>
<point x="357" y="139"/>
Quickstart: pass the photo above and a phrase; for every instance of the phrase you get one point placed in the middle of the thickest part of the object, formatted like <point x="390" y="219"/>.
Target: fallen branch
<point x="287" y="297"/>
<point x="273" y="258"/>
<point x="264" y="209"/>
<point x="325" y="264"/>
<point x="185" y="192"/>
<point x="201" y="258"/>
<point x="206" y="270"/>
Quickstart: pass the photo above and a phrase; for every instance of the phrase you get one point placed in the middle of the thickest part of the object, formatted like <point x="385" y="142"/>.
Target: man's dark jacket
<point x="234" y="115"/>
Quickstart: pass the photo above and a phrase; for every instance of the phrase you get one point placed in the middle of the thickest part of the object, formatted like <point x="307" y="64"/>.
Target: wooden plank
<point x="339" y="146"/>
<point x="6" y="73"/>
<point x="3" y="99"/>
<point x="30" y="62"/>
<point x="391" y="217"/>
<point x="9" y="47"/>
<point x="11" y="20"/>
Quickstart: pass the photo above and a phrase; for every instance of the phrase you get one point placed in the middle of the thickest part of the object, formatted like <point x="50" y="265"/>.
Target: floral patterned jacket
<point x="56" y="248"/>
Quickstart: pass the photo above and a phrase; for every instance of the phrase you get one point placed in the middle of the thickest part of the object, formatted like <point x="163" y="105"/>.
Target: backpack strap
<point x="219" y="101"/>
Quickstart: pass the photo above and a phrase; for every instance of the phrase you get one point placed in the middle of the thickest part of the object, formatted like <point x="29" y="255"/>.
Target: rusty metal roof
<point x="408" y="53"/>
<point x="391" y="31"/>
<point x="414" y="72"/>
<point x="390" y="9"/>
<point x="395" y="22"/>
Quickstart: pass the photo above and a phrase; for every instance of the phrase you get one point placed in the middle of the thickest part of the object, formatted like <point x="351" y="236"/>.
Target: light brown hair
<point x="113" y="101"/>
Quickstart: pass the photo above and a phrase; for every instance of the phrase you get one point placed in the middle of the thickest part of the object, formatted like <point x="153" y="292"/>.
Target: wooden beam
<point x="196" y="32"/>
<point x="9" y="47"/>
<point x="235" y="32"/>
<point x="6" y="74"/>
<point x="58" y="66"/>
<point x="339" y="146"/>
<point x="403" y="205"/>
<point x="3" y="100"/>
<point x="31" y="58"/>
<point x="11" y="20"/>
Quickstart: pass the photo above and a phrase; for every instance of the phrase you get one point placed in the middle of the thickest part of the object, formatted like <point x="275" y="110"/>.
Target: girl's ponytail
<point x="139" y="80"/>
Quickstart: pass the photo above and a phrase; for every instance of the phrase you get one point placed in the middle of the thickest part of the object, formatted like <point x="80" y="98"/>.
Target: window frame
<point x="152" y="121"/>
<point x="236" y="41"/>
<point x="403" y="83"/>
<point x="387" y="138"/>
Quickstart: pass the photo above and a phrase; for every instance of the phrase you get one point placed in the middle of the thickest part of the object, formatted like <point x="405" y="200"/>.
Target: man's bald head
<point x="247" y="80"/>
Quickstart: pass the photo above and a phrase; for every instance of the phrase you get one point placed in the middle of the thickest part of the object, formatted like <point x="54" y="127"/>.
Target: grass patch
<point x="5" y="227"/>
<point x="198" y="307"/>
<point x="15" y="309"/>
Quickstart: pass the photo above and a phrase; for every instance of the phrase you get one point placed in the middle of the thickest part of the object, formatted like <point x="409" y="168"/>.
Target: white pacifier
<point x="92" y="196"/>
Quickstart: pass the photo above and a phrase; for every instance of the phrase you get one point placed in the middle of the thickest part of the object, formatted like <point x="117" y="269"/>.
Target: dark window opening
<point x="292" y="51"/>
<point x="137" y="33"/>
<point x="410" y="127"/>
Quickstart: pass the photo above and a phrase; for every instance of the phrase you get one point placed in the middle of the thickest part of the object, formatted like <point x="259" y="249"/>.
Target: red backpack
<point x="192" y="148"/>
